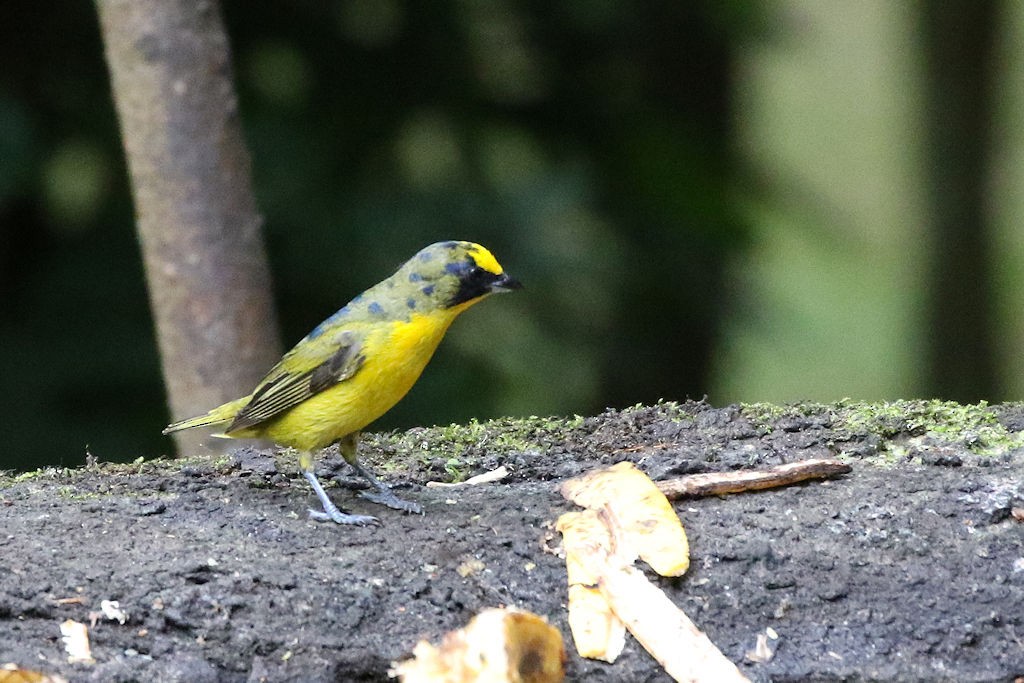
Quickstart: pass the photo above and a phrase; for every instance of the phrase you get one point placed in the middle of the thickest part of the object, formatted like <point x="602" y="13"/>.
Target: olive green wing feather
<point x="312" y="366"/>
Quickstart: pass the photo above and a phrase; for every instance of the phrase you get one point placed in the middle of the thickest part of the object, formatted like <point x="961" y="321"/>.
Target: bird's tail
<point x="218" y="415"/>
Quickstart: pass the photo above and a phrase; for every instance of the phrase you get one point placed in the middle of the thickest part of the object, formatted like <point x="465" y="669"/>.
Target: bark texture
<point x="199" y="229"/>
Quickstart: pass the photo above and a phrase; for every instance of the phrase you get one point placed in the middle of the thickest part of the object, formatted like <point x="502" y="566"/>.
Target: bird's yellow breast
<point x="395" y="353"/>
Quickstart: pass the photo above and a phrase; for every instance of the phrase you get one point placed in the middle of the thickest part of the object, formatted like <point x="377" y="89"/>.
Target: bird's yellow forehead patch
<point x="485" y="259"/>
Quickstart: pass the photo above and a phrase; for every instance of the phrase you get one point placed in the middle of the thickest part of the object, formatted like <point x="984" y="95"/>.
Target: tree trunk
<point x="209" y="283"/>
<point x="959" y="39"/>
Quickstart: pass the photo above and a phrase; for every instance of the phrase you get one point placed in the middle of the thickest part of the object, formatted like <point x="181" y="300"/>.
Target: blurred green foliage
<point x="585" y="143"/>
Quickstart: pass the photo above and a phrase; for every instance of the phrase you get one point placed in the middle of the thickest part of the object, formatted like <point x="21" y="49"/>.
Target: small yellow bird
<point x="359" y="363"/>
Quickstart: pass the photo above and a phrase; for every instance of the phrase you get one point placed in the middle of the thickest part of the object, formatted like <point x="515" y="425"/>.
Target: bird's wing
<point x="312" y="366"/>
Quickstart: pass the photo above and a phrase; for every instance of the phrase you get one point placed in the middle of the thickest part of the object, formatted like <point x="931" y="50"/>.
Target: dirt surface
<point x="909" y="568"/>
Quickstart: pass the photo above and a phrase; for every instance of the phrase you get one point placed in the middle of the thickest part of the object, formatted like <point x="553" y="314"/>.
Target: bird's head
<point x="451" y="274"/>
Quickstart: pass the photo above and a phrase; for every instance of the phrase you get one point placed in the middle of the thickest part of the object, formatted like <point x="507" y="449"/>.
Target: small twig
<point x="717" y="483"/>
<point x="485" y="478"/>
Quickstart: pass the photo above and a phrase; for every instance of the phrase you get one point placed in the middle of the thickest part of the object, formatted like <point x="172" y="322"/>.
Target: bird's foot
<point x="331" y="513"/>
<point x="339" y="517"/>
<point x="385" y="497"/>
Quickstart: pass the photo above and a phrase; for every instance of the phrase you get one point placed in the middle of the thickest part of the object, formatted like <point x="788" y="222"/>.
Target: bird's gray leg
<point x="349" y="447"/>
<point x="331" y="512"/>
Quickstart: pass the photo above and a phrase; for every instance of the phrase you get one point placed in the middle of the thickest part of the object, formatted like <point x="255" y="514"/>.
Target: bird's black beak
<point x="504" y="283"/>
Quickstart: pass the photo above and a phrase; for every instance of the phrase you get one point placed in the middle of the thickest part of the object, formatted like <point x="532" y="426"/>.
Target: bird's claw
<point x="339" y="517"/>
<point x="389" y="499"/>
